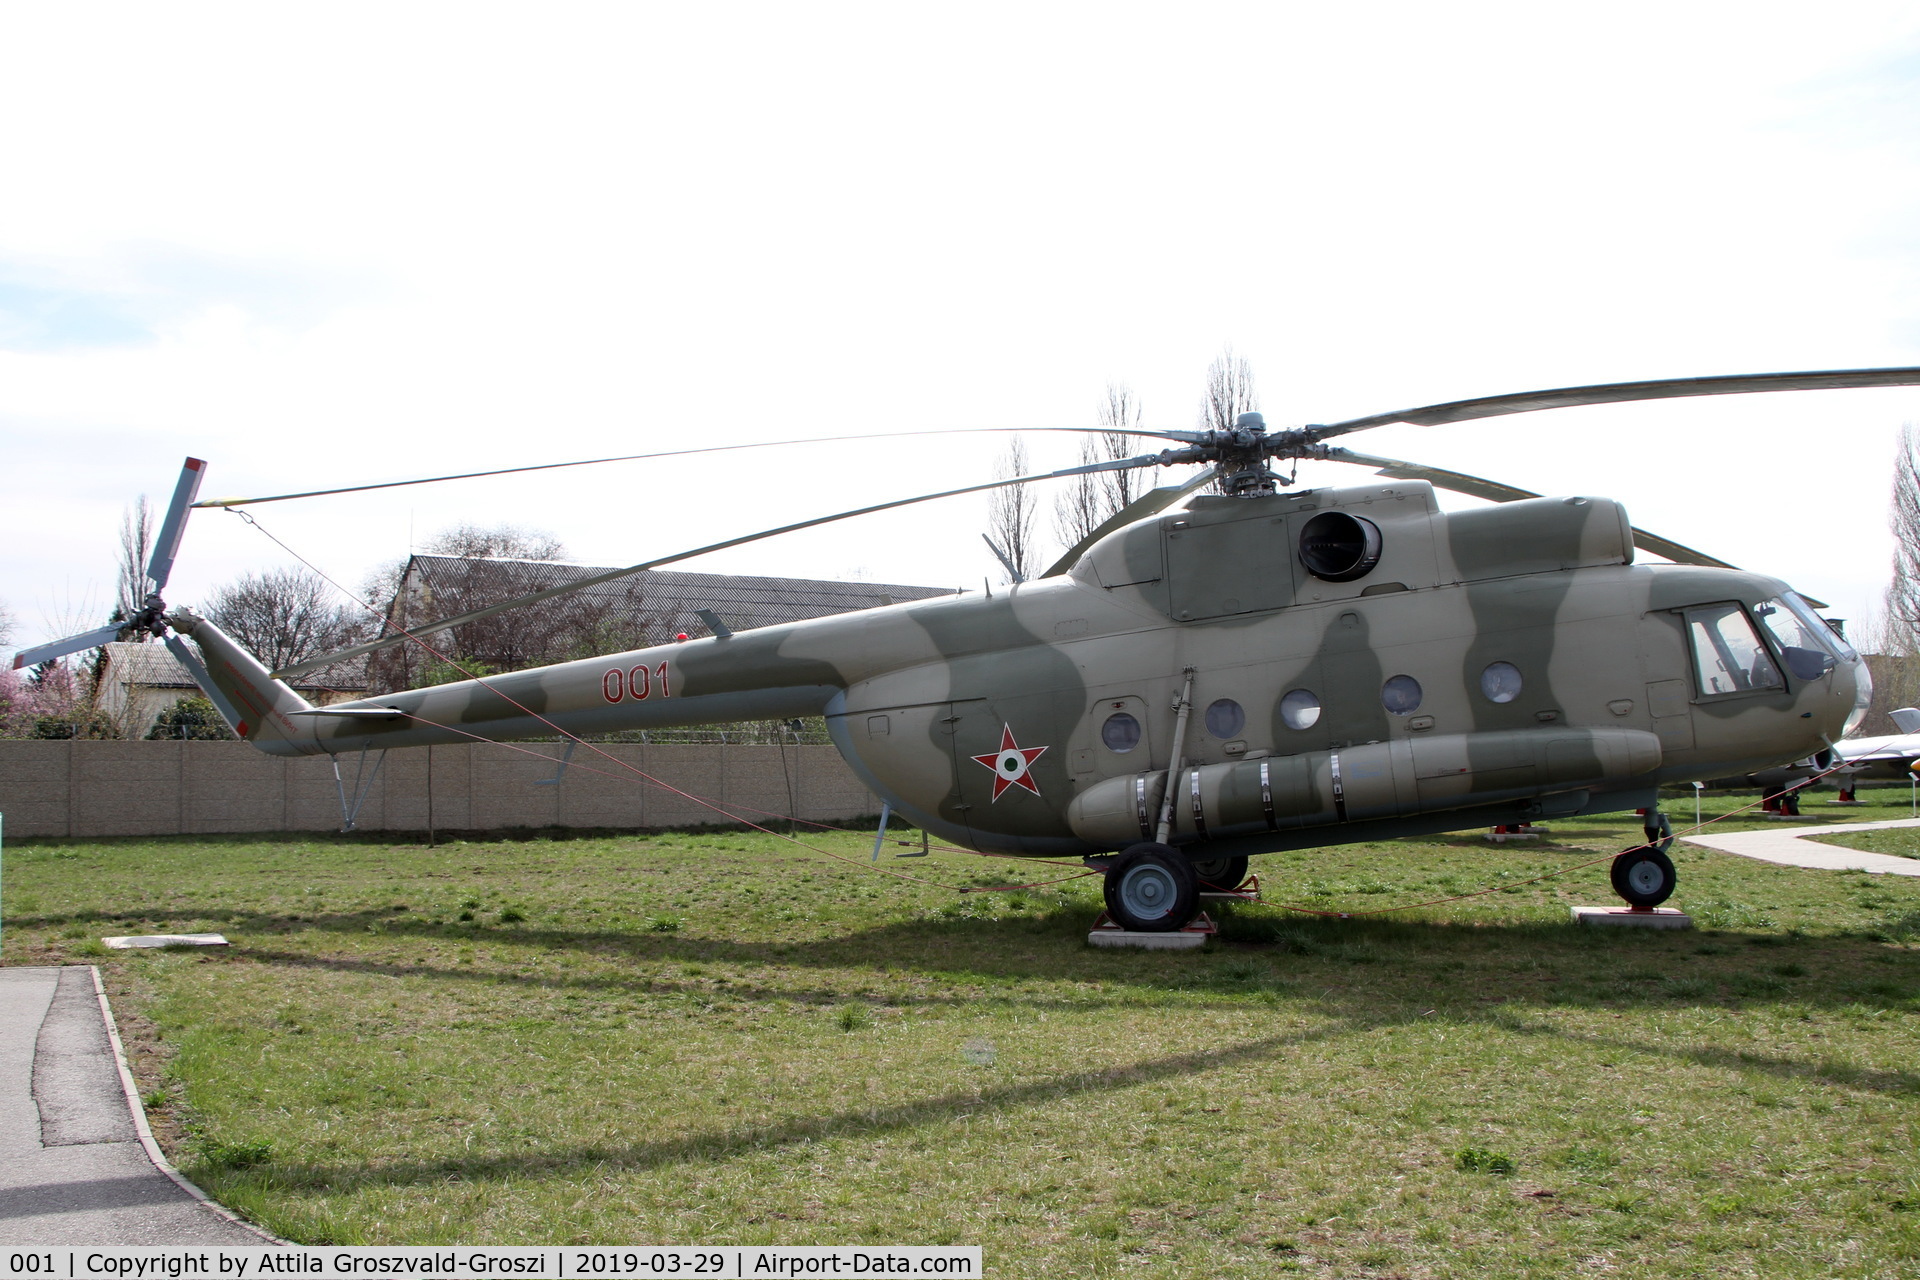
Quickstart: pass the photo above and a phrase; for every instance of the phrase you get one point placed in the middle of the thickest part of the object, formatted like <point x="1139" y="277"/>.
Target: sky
<point x="368" y="242"/>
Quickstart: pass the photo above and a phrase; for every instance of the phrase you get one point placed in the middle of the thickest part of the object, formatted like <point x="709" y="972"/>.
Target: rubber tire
<point x="1654" y="872"/>
<point x="1659" y="832"/>
<point x="1220" y="875"/>
<point x="1164" y="892"/>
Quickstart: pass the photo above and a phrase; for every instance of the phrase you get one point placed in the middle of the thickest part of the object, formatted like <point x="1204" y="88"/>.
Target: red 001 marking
<point x="612" y="686"/>
<point x="639" y="683"/>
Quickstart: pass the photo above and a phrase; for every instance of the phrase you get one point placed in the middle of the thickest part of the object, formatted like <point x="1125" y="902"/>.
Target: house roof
<point x="666" y="601"/>
<point x="153" y="666"/>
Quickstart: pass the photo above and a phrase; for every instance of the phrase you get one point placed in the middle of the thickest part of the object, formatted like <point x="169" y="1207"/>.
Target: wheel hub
<point x="1149" y="892"/>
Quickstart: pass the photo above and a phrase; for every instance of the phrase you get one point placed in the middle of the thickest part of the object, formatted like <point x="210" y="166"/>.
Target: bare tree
<point x="1119" y="488"/>
<point x="136" y="548"/>
<point x="1078" y="509"/>
<point x="496" y="542"/>
<point x="1010" y="513"/>
<point x="1093" y="499"/>
<point x="1903" y="596"/>
<point x="1895" y="635"/>
<point x="1229" y="392"/>
<point x="284" y="616"/>
<point x="6" y="624"/>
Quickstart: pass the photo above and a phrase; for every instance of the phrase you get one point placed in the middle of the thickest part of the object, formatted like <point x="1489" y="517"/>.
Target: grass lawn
<point x="1903" y="842"/>
<point x="720" y="1038"/>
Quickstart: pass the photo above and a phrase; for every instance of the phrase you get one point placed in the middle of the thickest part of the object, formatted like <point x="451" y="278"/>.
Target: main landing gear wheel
<point x="1220" y="875"/>
<point x="1644" y="877"/>
<point x="1152" y="889"/>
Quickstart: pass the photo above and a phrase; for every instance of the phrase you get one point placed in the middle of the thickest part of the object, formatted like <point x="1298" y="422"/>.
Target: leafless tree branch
<point x="1010" y="513"/>
<point x="284" y="615"/>
<point x="136" y="547"/>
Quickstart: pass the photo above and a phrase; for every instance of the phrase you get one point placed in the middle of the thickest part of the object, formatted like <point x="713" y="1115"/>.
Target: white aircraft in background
<point x="1888" y="756"/>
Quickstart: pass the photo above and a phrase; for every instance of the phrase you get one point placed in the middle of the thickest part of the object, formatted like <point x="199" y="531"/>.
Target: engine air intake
<point x="1339" y="547"/>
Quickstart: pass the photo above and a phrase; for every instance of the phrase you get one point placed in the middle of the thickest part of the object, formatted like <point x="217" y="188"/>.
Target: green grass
<point x="1902" y="842"/>
<point x="810" y="1052"/>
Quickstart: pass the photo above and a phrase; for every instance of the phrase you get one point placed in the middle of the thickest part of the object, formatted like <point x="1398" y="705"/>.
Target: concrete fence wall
<point x="82" y="788"/>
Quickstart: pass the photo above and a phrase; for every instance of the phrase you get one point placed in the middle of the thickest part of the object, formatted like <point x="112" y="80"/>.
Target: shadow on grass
<point x="724" y="1144"/>
<point x="719" y="1145"/>
<point x="1565" y="965"/>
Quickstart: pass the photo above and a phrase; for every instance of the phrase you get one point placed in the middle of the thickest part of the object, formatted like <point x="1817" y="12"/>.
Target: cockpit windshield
<point x="1807" y="644"/>
<point x="1828" y="633"/>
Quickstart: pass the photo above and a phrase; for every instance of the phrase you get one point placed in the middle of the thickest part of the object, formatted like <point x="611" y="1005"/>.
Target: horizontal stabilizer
<point x="352" y="713"/>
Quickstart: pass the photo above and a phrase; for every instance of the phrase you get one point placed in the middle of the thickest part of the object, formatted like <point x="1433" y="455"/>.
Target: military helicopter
<point x="1208" y="676"/>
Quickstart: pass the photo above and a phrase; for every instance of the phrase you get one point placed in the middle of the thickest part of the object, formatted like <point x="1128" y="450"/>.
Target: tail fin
<point x="259" y="708"/>
<point x="1906" y="720"/>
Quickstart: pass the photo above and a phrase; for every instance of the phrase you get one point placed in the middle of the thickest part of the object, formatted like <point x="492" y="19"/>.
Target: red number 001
<point x="637" y="684"/>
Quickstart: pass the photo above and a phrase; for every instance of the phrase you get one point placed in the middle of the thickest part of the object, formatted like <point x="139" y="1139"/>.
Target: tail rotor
<point x="151" y="617"/>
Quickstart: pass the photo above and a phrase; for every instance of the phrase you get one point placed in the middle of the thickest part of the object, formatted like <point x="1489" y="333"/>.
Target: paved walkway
<point x="1790" y="847"/>
<point x="75" y="1167"/>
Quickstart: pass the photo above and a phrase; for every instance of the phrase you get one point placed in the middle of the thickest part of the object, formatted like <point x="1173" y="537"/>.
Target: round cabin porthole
<point x="1339" y="547"/>
<point x="1500" y="682"/>
<point x="1120" y="733"/>
<point x="1225" y="719"/>
<point x="1300" y="709"/>
<point x="1400" y="695"/>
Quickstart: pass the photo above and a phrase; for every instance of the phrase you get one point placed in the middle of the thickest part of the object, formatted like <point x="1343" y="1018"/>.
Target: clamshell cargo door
<point x="909" y="751"/>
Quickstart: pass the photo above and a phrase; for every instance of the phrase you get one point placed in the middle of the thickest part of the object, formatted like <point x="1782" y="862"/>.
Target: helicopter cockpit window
<point x="1727" y="656"/>
<point x="1400" y="695"/>
<point x="1300" y="709"/>
<point x="1500" y="682"/>
<point x="1121" y="732"/>
<point x="1225" y="719"/>
<point x="1805" y="646"/>
<point x="1829" y="634"/>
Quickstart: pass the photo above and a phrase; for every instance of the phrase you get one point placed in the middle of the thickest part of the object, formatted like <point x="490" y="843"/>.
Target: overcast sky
<point x="329" y="245"/>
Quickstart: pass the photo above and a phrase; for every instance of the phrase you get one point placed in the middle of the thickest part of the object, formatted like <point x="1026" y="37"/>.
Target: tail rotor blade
<point x="167" y="545"/>
<point x="61" y="648"/>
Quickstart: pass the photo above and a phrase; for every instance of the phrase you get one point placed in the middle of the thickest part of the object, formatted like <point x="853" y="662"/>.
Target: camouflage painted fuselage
<point x="927" y="699"/>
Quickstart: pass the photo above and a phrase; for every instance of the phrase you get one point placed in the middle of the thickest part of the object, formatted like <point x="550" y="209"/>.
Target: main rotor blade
<point x="61" y="648"/>
<point x="1184" y="436"/>
<point x="1149" y="503"/>
<point x="167" y="545"/>
<point x="1495" y="491"/>
<point x="1434" y="415"/>
<point x="372" y="646"/>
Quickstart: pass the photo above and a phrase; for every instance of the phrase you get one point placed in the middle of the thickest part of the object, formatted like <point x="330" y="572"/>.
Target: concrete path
<point x="1791" y="848"/>
<point x="77" y="1164"/>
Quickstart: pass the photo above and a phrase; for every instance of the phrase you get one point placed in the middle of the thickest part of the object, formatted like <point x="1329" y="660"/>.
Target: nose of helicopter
<point x="1853" y="677"/>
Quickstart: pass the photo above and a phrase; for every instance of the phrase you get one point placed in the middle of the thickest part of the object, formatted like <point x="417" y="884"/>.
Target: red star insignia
<point x="1012" y="764"/>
